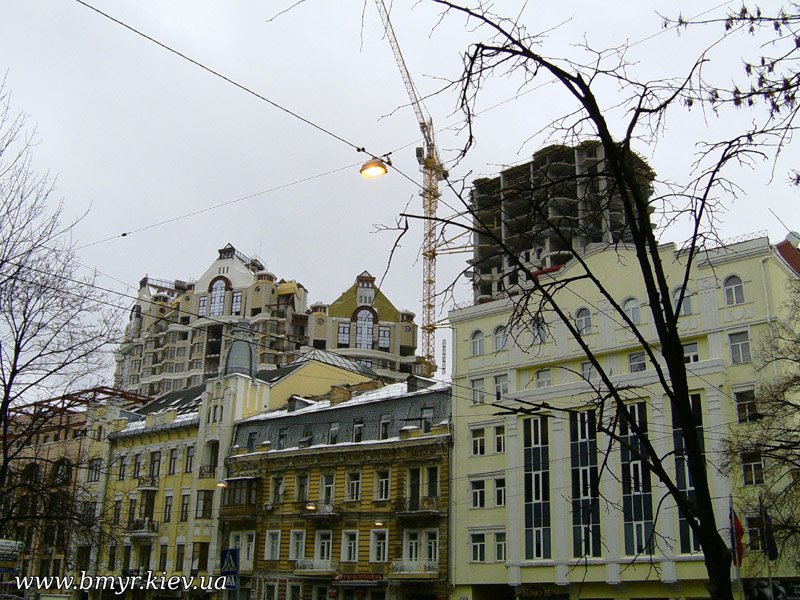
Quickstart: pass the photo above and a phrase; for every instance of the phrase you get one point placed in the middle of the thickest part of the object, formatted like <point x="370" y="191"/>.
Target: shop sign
<point x="358" y="577"/>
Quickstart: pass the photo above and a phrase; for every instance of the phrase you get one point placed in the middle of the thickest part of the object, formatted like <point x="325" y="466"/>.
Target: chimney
<point x="339" y="394"/>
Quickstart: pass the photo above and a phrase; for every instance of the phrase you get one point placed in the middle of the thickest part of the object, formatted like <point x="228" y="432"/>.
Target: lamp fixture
<point x="373" y="168"/>
<point x="222" y="484"/>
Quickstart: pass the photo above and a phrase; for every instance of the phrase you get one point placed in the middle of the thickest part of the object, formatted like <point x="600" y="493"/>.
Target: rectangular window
<point x="200" y="556"/>
<point x="754" y="529"/>
<point x="350" y="546"/>
<point x="343" y="338"/>
<point x="477" y="490"/>
<point x="333" y="433"/>
<point x="301" y="491"/>
<point x="123" y="463"/>
<point x="173" y="461"/>
<point x="167" y="509"/>
<point x="477" y="544"/>
<point x="746" y="406"/>
<point x="189" y="463"/>
<point x="637" y="362"/>
<point x="500" y="491"/>
<point x="384" y="426"/>
<point x="112" y="557"/>
<point x="740" y="347"/>
<point x="117" y="515"/>
<point x="326" y="489"/>
<point x="544" y="378"/>
<point x="184" y="507"/>
<point x="155" y="464"/>
<point x="499" y="439"/>
<point x="588" y="371"/>
<point x="500" y="387"/>
<point x="180" y="557"/>
<point x="162" y="558"/>
<point x="683" y="477"/>
<point x="205" y="499"/>
<point x="536" y="457"/>
<point x="383" y="485"/>
<point x="432" y="545"/>
<point x="273" y="547"/>
<point x="94" y="469"/>
<point x="249" y="545"/>
<point x="585" y="496"/>
<point x="500" y="547"/>
<point x="283" y="435"/>
<point x="324" y="545"/>
<point x="379" y="545"/>
<point x="433" y="482"/>
<point x="137" y="465"/>
<point x="236" y="303"/>
<point x="278" y="489"/>
<point x="383" y="337"/>
<point x="478" y="441"/>
<point x="636" y="491"/>
<point x="752" y="468"/>
<point x="691" y="353"/>
<point x="358" y="429"/>
<point x="354" y="486"/>
<point x="426" y="420"/>
<point x="297" y="544"/>
<point x="476" y="387"/>
<point x="201" y="308"/>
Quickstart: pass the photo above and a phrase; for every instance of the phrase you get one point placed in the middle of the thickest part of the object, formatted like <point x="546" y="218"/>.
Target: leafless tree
<point x="621" y="184"/>
<point x="54" y="329"/>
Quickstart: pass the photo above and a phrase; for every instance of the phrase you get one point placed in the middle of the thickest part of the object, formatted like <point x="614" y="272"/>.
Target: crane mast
<point x="432" y="173"/>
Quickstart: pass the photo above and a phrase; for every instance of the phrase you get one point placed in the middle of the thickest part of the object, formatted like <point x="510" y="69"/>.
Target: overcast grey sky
<point x="138" y="135"/>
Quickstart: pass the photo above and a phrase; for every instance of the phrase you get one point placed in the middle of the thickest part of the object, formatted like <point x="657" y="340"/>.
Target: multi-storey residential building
<point x="48" y="503"/>
<point x="362" y="324"/>
<point x="542" y="211"/>
<point x="345" y="497"/>
<point x="179" y="332"/>
<point x="540" y="508"/>
<point x="164" y="463"/>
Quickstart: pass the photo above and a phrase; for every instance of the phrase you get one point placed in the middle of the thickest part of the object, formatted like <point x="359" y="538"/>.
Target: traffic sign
<point x="230" y="562"/>
<point x="231" y="582"/>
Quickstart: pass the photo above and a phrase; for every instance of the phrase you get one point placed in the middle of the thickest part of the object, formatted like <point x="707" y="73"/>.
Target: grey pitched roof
<point x="183" y="401"/>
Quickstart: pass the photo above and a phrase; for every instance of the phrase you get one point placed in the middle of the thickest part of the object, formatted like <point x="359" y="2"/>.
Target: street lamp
<point x="373" y="168"/>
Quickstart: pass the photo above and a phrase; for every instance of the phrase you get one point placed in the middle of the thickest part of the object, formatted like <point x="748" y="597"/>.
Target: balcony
<point x="208" y="471"/>
<point x="238" y="512"/>
<point x="148" y="481"/>
<point x="142" y="528"/>
<point x="311" y="566"/>
<point x="413" y="569"/>
<point x="417" y="507"/>
<point x="318" y="510"/>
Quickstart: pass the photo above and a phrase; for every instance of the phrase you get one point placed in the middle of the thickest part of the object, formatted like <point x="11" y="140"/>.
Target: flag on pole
<point x="737" y="535"/>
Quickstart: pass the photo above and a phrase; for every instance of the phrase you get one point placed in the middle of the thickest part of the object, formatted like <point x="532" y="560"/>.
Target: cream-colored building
<point x="532" y="514"/>
<point x="363" y="325"/>
<point x="179" y="332"/>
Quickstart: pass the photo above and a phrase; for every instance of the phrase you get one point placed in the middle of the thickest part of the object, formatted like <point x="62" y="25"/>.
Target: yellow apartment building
<point x="344" y="497"/>
<point x="531" y="514"/>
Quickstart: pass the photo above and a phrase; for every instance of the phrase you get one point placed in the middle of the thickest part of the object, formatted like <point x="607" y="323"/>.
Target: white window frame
<point x="632" y="309"/>
<point x="477" y="547"/>
<point x="354" y="485"/>
<point x="691" y="353"/>
<point x="543" y="378"/>
<point x="740" y="350"/>
<point x="383" y="484"/>
<point x="733" y="289"/>
<point x="637" y="362"/>
<point x="319" y="545"/>
<point x="349" y="546"/>
<point x="500" y="339"/>
<point x="272" y="547"/>
<point x="478" y="441"/>
<point x="378" y="549"/>
<point x="499" y="439"/>
<point x="583" y="321"/>
<point x="477" y="387"/>
<point x="297" y="544"/>
<point x="746" y="405"/>
<point x="500" y="386"/>
<point x="499" y="491"/>
<point x="477" y="493"/>
<point x="500" y="546"/>
<point x="686" y="305"/>
<point x="476" y="343"/>
<point x="588" y="371"/>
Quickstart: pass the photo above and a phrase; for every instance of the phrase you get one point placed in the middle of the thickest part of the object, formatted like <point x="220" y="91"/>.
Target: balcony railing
<point x="145" y="527"/>
<point x="238" y="511"/>
<point x="311" y="564"/>
<point x="414" y="567"/>
<point x="208" y="471"/>
<point x="425" y="504"/>
<point x="148" y="481"/>
<point x="318" y="509"/>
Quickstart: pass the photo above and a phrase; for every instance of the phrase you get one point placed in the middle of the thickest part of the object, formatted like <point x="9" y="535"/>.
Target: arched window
<point x="539" y="331"/>
<point x="500" y="339"/>
<point x="686" y="304"/>
<point x="364" y="326"/>
<point x="734" y="290"/>
<point x="477" y="343"/>
<point x="631" y="308"/>
<point x="62" y="471"/>
<point x="217" y="298"/>
<point x="583" y="321"/>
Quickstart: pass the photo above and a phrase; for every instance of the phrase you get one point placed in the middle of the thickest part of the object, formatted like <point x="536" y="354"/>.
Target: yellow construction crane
<point x="432" y="173"/>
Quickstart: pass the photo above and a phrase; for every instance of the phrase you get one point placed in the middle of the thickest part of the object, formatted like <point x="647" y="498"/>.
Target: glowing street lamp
<point x="373" y="168"/>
